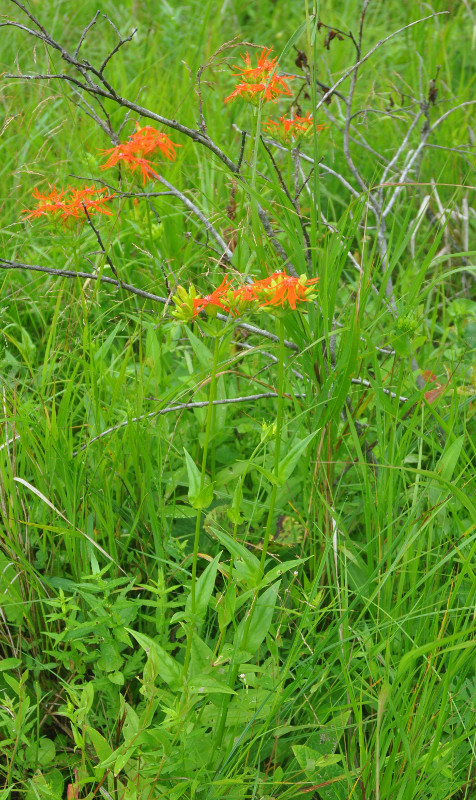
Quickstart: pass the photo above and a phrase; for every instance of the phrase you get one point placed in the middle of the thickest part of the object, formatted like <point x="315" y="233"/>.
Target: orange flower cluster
<point x="70" y="203"/>
<point x="279" y="289"/>
<point x="292" y="131"/>
<point x="142" y="143"/>
<point x="259" y="83"/>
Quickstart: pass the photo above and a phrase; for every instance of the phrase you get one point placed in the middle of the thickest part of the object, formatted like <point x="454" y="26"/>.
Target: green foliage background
<point x="359" y="680"/>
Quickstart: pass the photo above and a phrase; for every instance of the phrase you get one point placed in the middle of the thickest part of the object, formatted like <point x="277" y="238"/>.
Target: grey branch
<point x="227" y="253"/>
<point x="178" y="407"/>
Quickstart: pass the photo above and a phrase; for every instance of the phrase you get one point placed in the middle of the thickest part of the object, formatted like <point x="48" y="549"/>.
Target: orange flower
<point x="259" y="73"/>
<point x="254" y="92"/>
<point x="47" y="203"/>
<point x="71" y="205"/>
<point x="212" y="302"/>
<point x="141" y="143"/>
<point x="84" y="198"/>
<point x="293" y="130"/>
<point x="280" y="288"/>
<point x="260" y="82"/>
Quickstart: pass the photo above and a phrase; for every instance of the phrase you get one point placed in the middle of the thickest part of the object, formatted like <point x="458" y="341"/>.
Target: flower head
<point x="70" y="202"/>
<point x="259" y="73"/>
<point x="277" y="289"/>
<point x="260" y="83"/>
<point x="212" y="302"/>
<point x="280" y="288"/>
<point x="265" y="91"/>
<point x="142" y="143"/>
<point x="292" y="131"/>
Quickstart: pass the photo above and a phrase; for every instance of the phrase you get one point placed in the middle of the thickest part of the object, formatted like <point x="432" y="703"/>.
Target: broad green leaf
<point x="267" y="474"/>
<point x="260" y="621"/>
<point x="445" y="468"/>
<point x="169" y="670"/>
<point x="288" y="464"/>
<point x="230" y="473"/>
<point x="449" y="459"/>
<point x="279" y="570"/>
<point x="204" y="589"/>
<point x="40" y="753"/>
<point x="201" y="350"/>
<point x="239" y="552"/>
<point x="101" y="745"/>
<point x="85" y="703"/>
<point x="122" y="760"/>
<point x="234" y="512"/>
<point x="193" y="477"/>
<point x="199" y="498"/>
<point x="179" y="512"/>
<point x="9" y="663"/>
<point x="312" y="761"/>
<point x="204" y="497"/>
<point x="207" y="684"/>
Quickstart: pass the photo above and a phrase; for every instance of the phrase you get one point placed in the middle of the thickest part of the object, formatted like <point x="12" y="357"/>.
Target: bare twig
<point x="67" y="273"/>
<point x="85" y="33"/>
<point x="275" y="241"/>
<point x="179" y="407"/>
<point x="372" y="51"/>
<point x="100" y="242"/>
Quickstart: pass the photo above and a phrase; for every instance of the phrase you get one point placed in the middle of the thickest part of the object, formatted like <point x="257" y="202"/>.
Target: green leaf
<point x="122" y="760"/>
<point x="203" y="589"/>
<point x="261" y="619"/>
<point x="101" y="746"/>
<point x="239" y="552"/>
<point x="449" y="459"/>
<point x="168" y="669"/>
<point x="117" y="678"/>
<point x="290" y="460"/>
<point x="40" y="754"/>
<point x="267" y="474"/>
<point x="199" y="498"/>
<point x="279" y="570"/>
<point x="9" y="663"/>
<point x="312" y="761"/>
<point x="201" y="351"/>
<point x="234" y="513"/>
<point x="193" y="477"/>
<point x="204" y="498"/>
<point x="445" y="468"/>
<point x="206" y="684"/>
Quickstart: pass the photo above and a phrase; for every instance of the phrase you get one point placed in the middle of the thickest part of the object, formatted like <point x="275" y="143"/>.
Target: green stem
<point x="277" y="447"/>
<point x="272" y="502"/>
<point x="208" y="426"/>
<point x="255" y="146"/>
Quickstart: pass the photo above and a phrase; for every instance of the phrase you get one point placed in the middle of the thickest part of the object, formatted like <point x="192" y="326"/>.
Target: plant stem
<point x="277" y="447"/>
<point x="272" y="502"/>
<point x="211" y="398"/>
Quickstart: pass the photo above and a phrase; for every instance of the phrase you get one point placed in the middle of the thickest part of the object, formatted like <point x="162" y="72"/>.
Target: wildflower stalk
<point x="277" y="446"/>
<point x="208" y="426"/>
<point x="272" y="503"/>
<point x="256" y="140"/>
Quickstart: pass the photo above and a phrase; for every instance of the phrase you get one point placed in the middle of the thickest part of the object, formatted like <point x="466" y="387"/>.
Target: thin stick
<point x="181" y="407"/>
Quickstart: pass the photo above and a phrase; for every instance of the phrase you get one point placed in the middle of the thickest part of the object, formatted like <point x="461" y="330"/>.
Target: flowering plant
<point x="70" y="202"/>
<point x="142" y="143"/>
<point x="260" y="83"/>
<point x="292" y="131"/>
<point x="278" y="289"/>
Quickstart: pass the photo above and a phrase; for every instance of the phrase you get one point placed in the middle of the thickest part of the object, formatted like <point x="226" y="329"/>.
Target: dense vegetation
<point x="268" y="598"/>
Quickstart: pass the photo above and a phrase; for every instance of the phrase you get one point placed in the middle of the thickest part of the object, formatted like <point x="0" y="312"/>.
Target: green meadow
<point x="237" y="524"/>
